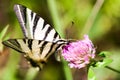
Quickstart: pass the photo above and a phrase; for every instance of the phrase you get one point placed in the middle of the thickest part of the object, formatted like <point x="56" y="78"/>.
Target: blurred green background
<point x="100" y="19"/>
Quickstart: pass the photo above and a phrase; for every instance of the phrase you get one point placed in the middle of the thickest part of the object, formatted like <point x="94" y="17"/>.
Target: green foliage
<point x="104" y="63"/>
<point x="10" y="71"/>
<point x="2" y="34"/>
<point x="105" y="54"/>
<point x="91" y="75"/>
<point x="32" y="72"/>
<point x="106" y="59"/>
<point x="3" y="37"/>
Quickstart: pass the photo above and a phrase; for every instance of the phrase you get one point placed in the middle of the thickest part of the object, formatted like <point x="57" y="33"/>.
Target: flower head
<point x="78" y="54"/>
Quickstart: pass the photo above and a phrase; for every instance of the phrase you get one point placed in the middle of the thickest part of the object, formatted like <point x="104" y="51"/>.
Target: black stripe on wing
<point x="35" y="22"/>
<point x="34" y="26"/>
<point x="47" y="32"/>
<point x="13" y="44"/>
<point x="42" y="44"/>
<point x="21" y="15"/>
<point x="30" y="44"/>
<point x="52" y="47"/>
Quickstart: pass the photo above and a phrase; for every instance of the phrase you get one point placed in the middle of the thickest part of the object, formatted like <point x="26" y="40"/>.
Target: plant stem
<point x="67" y="71"/>
<point x="55" y="17"/>
<point x="58" y="26"/>
<point x="81" y="74"/>
<point x="112" y="69"/>
<point x="92" y="17"/>
<point x="32" y="72"/>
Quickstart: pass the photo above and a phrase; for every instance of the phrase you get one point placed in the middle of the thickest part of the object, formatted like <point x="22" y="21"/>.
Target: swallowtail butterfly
<point x="40" y="41"/>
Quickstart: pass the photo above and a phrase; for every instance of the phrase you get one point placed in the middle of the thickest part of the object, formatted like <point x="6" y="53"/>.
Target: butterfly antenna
<point x="67" y="31"/>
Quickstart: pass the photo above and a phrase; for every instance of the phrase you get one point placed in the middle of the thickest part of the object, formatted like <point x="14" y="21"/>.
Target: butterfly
<point x="41" y="40"/>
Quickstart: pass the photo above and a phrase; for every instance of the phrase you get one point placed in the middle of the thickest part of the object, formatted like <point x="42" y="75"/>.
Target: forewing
<point x="33" y="26"/>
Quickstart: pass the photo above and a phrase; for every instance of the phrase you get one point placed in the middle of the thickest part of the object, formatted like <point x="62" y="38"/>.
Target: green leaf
<point x="106" y="59"/>
<point x="104" y="63"/>
<point x="91" y="75"/>
<point x="2" y="34"/>
<point x="105" y="54"/>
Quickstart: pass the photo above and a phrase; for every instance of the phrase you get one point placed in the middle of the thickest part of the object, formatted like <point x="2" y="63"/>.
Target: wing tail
<point x="13" y="43"/>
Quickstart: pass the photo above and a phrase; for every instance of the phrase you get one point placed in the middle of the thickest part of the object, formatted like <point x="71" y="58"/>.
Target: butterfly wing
<point x="36" y="51"/>
<point x="33" y="26"/>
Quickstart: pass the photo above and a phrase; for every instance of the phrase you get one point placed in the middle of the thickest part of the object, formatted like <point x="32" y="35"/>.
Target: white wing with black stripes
<point x="33" y="26"/>
<point x="41" y="40"/>
<point x="35" y="51"/>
